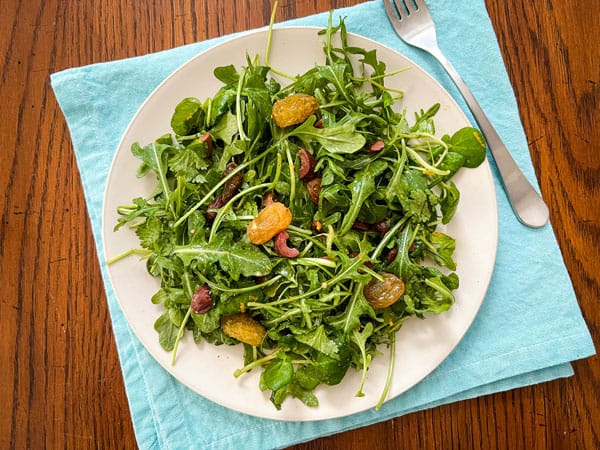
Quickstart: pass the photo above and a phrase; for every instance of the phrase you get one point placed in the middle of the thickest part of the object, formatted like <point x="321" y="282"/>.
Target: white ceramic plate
<point x="421" y="344"/>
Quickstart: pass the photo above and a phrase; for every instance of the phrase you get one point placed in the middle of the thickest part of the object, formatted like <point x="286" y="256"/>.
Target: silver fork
<point x="413" y="23"/>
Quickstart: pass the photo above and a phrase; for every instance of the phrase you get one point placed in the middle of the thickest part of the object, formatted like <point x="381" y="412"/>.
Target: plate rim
<point x="120" y="148"/>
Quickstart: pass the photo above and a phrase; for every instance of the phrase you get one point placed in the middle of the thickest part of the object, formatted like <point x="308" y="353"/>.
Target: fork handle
<point x="527" y="204"/>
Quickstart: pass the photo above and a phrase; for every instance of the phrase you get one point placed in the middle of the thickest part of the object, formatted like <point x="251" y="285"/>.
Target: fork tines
<point x="404" y="8"/>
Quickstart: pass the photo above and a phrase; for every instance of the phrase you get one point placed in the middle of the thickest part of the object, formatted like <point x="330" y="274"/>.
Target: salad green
<point x="385" y="187"/>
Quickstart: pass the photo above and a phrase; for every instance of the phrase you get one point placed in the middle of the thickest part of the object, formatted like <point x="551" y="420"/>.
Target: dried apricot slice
<point x="271" y="220"/>
<point x="244" y="328"/>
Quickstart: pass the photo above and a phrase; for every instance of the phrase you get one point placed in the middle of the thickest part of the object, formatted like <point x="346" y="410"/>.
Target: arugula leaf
<point x="336" y="74"/>
<point x="441" y="247"/>
<point x="424" y="122"/>
<point x="470" y="143"/>
<point x="154" y="157"/>
<point x="318" y="340"/>
<point x="402" y="264"/>
<point x="277" y="374"/>
<point x="189" y="160"/>
<point x="167" y="331"/>
<point x="227" y="74"/>
<point x="332" y="370"/>
<point x="237" y="147"/>
<point x="226" y="128"/>
<point x="187" y="117"/>
<point x="350" y="318"/>
<point x="208" y="322"/>
<point x="235" y="258"/>
<point x="220" y="104"/>
<point x="335" y="139"/>
<point x="293" y="390"/>
<point x="449" y="202"/>
<point x="362" y="187"/>
<point x="360" y="339"/>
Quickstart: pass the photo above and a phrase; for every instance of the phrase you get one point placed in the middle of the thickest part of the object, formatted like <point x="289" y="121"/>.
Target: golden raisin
<point x="244" y="328"/>
<point x="294" y="109"/>
<point x="381" y="294"/>
<point x="271" y="220"/>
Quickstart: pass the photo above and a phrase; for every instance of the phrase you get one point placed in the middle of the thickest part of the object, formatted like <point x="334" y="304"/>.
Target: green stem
<point x="372" y="273"/>
<point x="238" y="106"/>
<point x="306" y="313"/>
<point x="283" y="317"/>
<point x="390" y="372"/>
<point x="243" y="290"/>
<point x="277" y="172"/>
<point x="216" y="187"/>
<point x="270" y="35"/>
<point x="292" y="173"/>
<point x="255" y="363"/>
<point x="234" y="218"/>
<point x="385" y="88"/>
<point x="180" y="334"/>
<point x="366" y="359"/>
<point x="221" y="212"/>
<point x="265" y="306"/>
<point x="309" y="261"/>
<point x="323" y="286"/>
<point x="381" y="76"/>
<point x="133" y="251"/>
<point x="188" y="286"/>
<point x="299" y="230"/>
<point x="389" y="235"/>
<point x="268" y="49"/>
<point x="424" y="164"/>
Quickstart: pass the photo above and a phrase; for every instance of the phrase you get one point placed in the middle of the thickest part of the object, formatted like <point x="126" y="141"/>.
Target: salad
<point x="300" y="216"/>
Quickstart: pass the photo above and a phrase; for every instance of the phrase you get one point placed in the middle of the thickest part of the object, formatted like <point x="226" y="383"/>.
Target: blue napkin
<point x="527" y="331"/>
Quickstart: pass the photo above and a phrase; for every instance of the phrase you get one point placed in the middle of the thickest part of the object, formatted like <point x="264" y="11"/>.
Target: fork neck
<point x="433" y="49"/>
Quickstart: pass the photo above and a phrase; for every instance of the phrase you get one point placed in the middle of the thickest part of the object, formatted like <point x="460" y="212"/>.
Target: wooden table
<point x="61" y="383"/>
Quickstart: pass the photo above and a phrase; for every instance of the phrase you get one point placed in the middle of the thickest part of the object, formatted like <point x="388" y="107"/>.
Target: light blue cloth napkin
<point x="527" y="331"/>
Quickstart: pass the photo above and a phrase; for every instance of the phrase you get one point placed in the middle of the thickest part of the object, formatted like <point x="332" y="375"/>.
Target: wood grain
<point x="61" y="383"/>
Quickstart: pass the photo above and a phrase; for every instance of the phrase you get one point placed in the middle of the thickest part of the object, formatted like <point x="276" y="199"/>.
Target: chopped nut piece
<point x="377" y="146"/>
<point x="281" y="246"/>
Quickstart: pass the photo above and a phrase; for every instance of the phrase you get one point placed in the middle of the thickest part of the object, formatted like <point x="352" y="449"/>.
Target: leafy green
<point x="360" y="338"/>
<point x="318" y="340"/>
<point x="167" y="330"/>
<point x="342" y="138"/>
<point x="277" y="374"/>
<point x="235" y="258"/>
<point x="469" y="143"/>
<point x="187" y="117"/>
<point x="361" y="188"/>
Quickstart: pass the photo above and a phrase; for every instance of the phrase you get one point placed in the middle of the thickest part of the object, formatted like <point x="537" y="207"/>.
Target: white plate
<point x="421" y="345"/>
